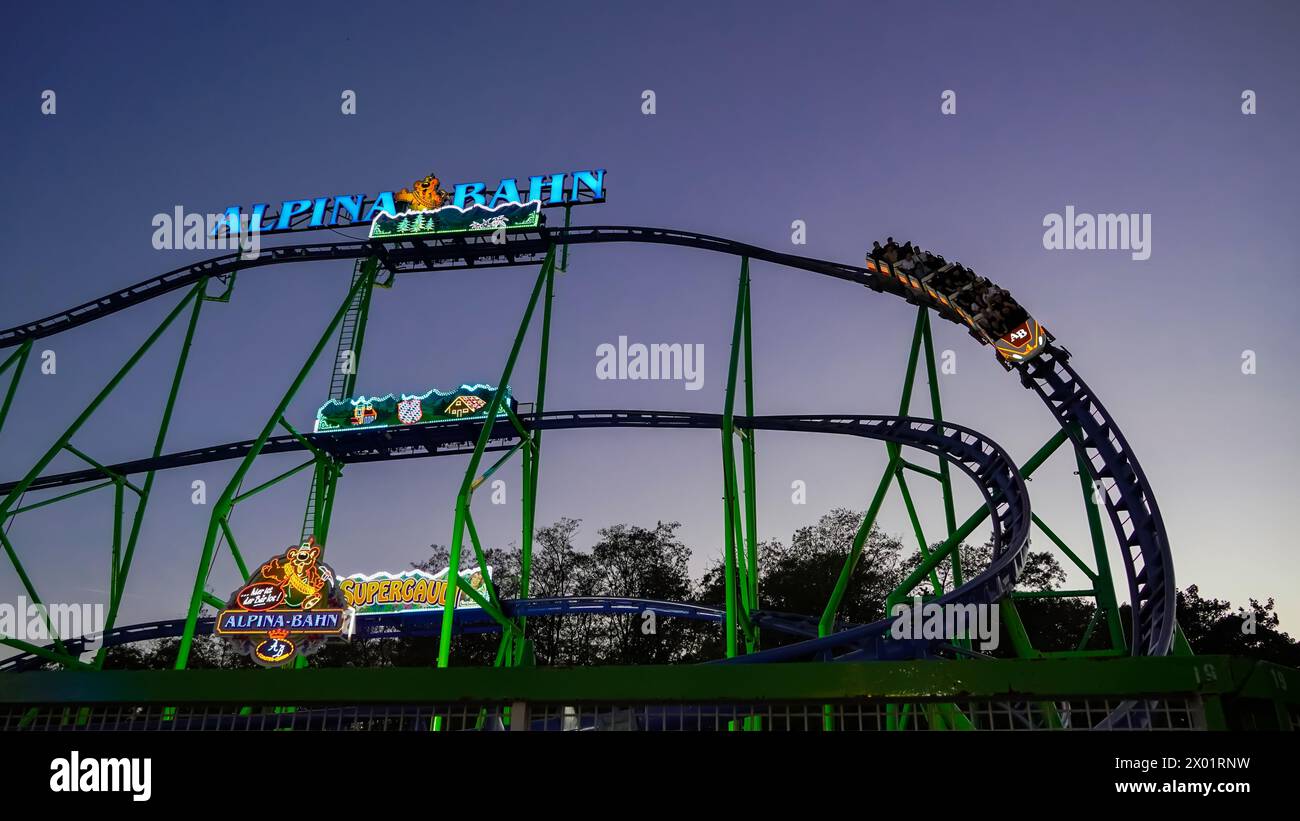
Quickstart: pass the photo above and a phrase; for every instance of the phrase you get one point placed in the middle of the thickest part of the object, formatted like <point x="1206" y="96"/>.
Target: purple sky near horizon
<point x="766" y="114"/>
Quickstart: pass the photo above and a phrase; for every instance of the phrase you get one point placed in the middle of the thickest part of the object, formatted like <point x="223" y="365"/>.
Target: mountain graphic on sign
<point x="450" y="219"/>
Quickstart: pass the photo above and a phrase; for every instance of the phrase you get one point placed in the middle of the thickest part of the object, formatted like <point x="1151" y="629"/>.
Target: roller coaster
<point x="1109" y="474"/>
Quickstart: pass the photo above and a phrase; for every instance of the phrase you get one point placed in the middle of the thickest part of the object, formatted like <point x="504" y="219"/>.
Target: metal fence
<point x="1018" y="695"/>
<point x="860" y="716"/>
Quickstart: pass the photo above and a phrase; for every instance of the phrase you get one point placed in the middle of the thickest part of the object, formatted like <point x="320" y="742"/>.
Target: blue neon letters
<point x="351" y="209"/>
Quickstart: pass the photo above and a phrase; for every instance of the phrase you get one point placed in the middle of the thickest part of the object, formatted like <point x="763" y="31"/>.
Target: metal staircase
<point x="341" y="383"/>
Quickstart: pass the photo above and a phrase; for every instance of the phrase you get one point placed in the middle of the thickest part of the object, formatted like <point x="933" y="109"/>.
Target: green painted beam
<point x="18" y="359"/>
<point x="60" y="498"/>
<point x="43" y="652"/>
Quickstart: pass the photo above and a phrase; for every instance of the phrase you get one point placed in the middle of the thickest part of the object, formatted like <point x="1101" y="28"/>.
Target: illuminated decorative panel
<point x="408" y="591"/>
<point x="452" y="220"/>
<point x="431" y="407"/>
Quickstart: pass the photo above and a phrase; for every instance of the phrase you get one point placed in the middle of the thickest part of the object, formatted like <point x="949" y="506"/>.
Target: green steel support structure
<point x="116" y="591"/>
<point x="521" y="650"/>
<point x="739" y="576"/>
<point x="741" y="561"/>
<point x="1102" y="589"/>
<point x="463" y="519"/>
<point x="219" y="523"/>
<point x="121" y="558"/>
<point x="18" y="361"/>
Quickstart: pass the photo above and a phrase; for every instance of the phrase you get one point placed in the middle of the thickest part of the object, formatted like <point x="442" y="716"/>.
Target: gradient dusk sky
<point x="766" y="113"/>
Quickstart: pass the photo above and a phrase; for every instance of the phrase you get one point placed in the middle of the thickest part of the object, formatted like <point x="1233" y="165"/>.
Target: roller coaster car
<point x="1000" y="321"/>
<point x="1021" y="343"/>
<point x="989" y="312"/>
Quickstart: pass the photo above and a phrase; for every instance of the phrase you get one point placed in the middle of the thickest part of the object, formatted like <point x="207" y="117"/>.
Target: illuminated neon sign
<point x="409" y="591"/>
<point x="431" y="407"/>
<point x="452" y="220"/>
<point x="549" y="190"/>
<point x="289" y="607"/>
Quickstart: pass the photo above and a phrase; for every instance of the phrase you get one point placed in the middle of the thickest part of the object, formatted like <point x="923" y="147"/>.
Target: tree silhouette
<point x="653" y="563"/>
<point x="1214" y="626"/>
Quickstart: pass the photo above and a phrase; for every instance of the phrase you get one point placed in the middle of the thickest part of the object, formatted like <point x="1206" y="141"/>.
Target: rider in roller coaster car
<point x="998" y="312"/>
<point x="889" y="253"/>
<point x="1004" y="313"/>
<point x="908" y="258"/>
<point x="952" y="280"/>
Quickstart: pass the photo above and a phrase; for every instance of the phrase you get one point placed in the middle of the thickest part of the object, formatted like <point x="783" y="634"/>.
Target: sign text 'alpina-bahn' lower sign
<point x="289" y="608"/>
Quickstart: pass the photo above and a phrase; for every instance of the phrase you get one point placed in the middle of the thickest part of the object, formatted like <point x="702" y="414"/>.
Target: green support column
<point x="749" y="464"/>
<point x="1103" y="583"/>
<point x="16" y="360"/>
<point x="466" y="489"/>
<point x="511" y="650"/>
<point x="115" y="554"/>
<point x="936" y="413"/>
<point x="732" y="573"/>
<point x="531" y="467"/>
<point x="564" y="263"/>
<point x="748" y="457"/>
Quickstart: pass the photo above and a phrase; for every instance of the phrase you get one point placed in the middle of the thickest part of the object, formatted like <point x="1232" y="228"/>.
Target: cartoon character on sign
<point x="426" y="195"/>
<point x="298" y="575"/>
<point x="290" y="607"/>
